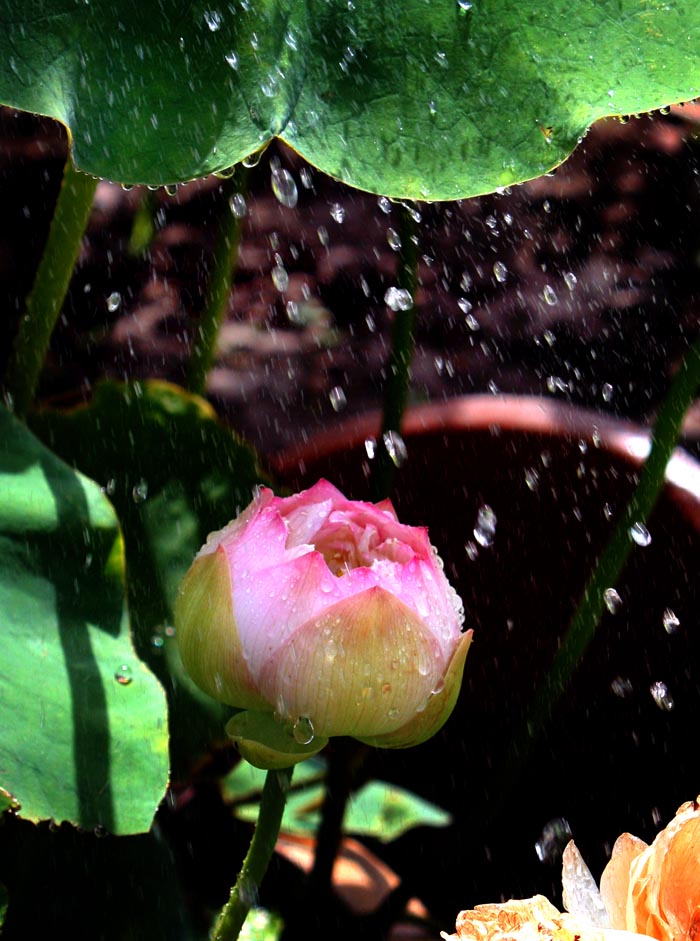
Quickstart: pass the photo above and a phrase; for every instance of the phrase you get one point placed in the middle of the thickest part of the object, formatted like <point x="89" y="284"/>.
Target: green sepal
<point x="268" y="743"/>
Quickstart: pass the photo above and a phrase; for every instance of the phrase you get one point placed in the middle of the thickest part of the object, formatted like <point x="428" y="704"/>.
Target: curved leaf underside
<point x="84" y="725"/>
<point x="425" y="99"/>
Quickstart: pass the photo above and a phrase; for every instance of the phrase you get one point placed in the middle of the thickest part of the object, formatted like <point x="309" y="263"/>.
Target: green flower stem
<point x="399" y="365"/>
<point x="244" y="892"/>
<point x="50" y="286"/>
<point x="664" y="437"/>
<point x="224" y="260"/>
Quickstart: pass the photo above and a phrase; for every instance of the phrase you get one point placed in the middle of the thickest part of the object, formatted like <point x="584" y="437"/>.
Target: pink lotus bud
<point x="328" y="614"/>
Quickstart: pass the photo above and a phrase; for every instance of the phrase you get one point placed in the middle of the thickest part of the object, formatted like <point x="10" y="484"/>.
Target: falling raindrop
<point x="398" y="299"/>
<point x="124" y="674"/>
<point x="238" y="205"/>
<point x="500" y="271"/>
<point x="613" y="602"/>
<point x="284" y="187"/>
<point x="555" y="835"/>
<point x="661" y="696"/>
<point x="303" y="731"/>
<point x="472" y="550"/>
<point x="384" y="204"/>
<point x="370" y="448"/>
<point x="570" y="280"/>
<point x="232" y="60"/>
<point x="532" y="478"/>
<point x="280" y="277"/>
<point x="114" y="302"/>
<point x="213" y="19"/>
<point x="670" y="621"/>
<point x="395" y="447"/>
<point x="621" y="687"/>
<point x="394" y="239"/>
<point x="139" y="491"/>
<point x="485" y="528"/>
<point x="338" y="398"/>
<point x="338" y="213"/>
<point x="464" y="6"/>
<point x="607" y="392"/>
<point x="640" y="535"/>
<point x="464" y="305"/>
<point x="549" y="295"/>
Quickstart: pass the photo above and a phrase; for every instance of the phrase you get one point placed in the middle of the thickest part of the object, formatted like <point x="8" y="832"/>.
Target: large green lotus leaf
<point x="174" y="473"/>
<point x="434" y="99"/>
<point x="84" y="727"/>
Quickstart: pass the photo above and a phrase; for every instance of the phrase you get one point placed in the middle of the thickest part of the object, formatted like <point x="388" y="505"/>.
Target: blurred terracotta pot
<point x="556" y="478"/>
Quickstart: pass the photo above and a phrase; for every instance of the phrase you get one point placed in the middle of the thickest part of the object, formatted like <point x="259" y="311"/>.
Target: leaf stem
<point x="224" y="260"/>
<point x="44" y="301"/>
<point x="399" y="364"/>
<point x="581" y="631"/>
<point x="244" y="893"/>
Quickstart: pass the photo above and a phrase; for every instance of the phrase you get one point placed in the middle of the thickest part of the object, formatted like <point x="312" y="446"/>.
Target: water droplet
<point x="238" y="205"/>
<point x="670" y="622"/>
<point x="213" y="19"/>
<point x="394" y="239"/>
<point x="123" y="674"/>
<point x="284" y="188"/>
<point x="661" y="696"/>
<point x="157" y="642"/>
<point x="621" y="687"/>
<point x="439" y="687"/>
<point x="252" y="160"/>
<point x="303" y="731"/>
<point x="464" y="6"/>
<point x="395" y="447"/>
<point x="232" y="60"/>
<point x="549" y="295"/>
<point x="500" y="272"/>
<point x="338" y="398"/>
<point x="607" y="392"/>
<point x="384" y="204"/>
<point x="464" y="305"/>
<point x="472" y="550"/>
<point x="370" y="447"/>
<point x="398" y="299"/>
<point x="570" y="280"/>
<point x="640" y="535"/>
<point x="485" y="528"/>
<point x="338" y="213"/>
<point x="322" y="234"/>
<point x="280" y="277"/>
<point x="114" y="302"/>
<point x="607" y="511"/>
<point x="613" y="602"/>
<point x="556" y="833"/>
<point x="532" y="478"/>
<point x="139" y="491"/>
<point x="465" y="281"/>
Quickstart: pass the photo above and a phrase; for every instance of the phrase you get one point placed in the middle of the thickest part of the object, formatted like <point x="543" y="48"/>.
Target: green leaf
<point x="386" y="812"/>
<point x="174" y="474"/>
<point x="84" y="728"/>
<point x="423" y="99"/>
<point x="246" y="782"/>
<point x="261" y="925"/>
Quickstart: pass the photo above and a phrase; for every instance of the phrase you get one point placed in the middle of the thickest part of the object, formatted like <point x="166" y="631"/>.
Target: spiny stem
<point x="224" y="259"/>
<point x="50" y="287"/>
<point x="244" y="892"/>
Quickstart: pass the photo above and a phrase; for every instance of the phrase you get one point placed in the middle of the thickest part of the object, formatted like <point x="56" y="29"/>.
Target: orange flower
<point x="655" y="890"/>
<point x="534" y="919"/>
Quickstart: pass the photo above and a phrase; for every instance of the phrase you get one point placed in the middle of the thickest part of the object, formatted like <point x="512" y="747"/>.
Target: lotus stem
<point x="225" y="256"/>
<point x="45" y="300"/>
<point x="399" y="364"/>
<point x="245" y="891"/>
<point x="664" y="437"/>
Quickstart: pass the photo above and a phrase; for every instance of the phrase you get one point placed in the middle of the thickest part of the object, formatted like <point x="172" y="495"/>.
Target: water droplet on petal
<point x="284" y="188"/>
<point x="670" y="622"/>
<point x="640" y="535"/>
<point x="303" y="731"/>
<point x="556" y="833"/>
